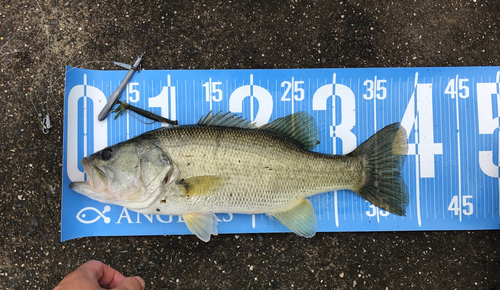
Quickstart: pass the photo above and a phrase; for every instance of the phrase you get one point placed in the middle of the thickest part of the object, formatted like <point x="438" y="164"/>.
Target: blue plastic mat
<point x="451" y="115"/>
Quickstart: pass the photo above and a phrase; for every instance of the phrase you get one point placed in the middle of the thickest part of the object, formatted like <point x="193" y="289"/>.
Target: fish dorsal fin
<point x="225" y="120"/>
<point x="301" y="219"/>
<point x="299" y="126"/>
<point x="202" y="225"/>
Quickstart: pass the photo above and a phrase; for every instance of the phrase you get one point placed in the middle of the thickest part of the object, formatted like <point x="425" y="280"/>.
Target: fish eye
<point x="106" y="154"/>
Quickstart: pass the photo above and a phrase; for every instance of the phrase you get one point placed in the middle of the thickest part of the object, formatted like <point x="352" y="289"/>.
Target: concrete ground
<point x="39" y="37"/>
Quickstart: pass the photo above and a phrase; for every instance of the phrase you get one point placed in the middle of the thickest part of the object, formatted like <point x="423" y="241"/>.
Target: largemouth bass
<point x="225" y="164"/>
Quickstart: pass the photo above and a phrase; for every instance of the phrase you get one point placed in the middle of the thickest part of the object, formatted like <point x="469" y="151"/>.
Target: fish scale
<point x="264" y="172"/>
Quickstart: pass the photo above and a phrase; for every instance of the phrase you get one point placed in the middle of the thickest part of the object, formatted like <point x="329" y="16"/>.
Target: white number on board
<point x="455" y="205"/>
<point x="375" y="88"/>
<point x="419" y="118"/>
<point x="488" y="122"/>
<point x="166" y="101"/>
<point x="297" y="93"/>
<point x="458" y="87"/>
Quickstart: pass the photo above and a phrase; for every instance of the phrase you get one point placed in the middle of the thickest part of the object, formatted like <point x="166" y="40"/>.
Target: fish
<point x="226" y="164"/>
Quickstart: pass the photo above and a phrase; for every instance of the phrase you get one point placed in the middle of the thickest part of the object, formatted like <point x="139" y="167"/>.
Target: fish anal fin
<point x="299" y="126"/>
<point x="300" y="219"/>
<point x="200" y="185"/>
<point x="202" y="225"/>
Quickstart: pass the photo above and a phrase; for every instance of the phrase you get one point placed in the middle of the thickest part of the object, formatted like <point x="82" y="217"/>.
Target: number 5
<point x="132" y="90"/>
<point x="487" y="124"/>
<point x="298" y="90"/>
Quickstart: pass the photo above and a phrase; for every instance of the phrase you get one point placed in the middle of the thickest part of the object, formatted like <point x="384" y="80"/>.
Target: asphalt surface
<point x="37" y="40"/>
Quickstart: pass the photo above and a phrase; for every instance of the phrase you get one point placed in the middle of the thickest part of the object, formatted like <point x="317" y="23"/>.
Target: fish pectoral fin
<point x="202" y="225"/>
<point x="301" y="219"/>
<point x="200" y="185"/>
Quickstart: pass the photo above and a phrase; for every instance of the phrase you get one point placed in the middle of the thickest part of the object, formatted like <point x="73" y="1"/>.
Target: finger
<point x="132" y="283"/>
<point x="84" y="277"/>
<point x="110" y="278"/>
<point x="104" y="274"/>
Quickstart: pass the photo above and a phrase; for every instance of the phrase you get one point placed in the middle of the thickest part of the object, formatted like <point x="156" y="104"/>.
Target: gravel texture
<point x="38" y="38"/>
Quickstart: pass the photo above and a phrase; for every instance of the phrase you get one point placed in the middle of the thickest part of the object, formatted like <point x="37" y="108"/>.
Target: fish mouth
<point x="96" y="179"/>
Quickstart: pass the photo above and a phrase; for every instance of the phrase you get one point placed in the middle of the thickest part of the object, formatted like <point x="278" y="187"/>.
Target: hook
<point x="46" y="124"/>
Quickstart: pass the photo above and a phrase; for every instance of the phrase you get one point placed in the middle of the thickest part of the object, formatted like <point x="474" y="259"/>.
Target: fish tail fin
<point x="384" y="154"/>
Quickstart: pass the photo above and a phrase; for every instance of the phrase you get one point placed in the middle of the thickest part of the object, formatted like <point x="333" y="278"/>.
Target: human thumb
<point x="132" y="283"/>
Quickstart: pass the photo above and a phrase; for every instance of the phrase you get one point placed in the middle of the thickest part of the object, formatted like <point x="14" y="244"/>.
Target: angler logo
<point x="81" y="215"/>
<point x="90" y="215"/>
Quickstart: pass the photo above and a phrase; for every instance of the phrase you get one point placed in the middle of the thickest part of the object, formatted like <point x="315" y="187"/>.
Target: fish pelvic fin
<point x="300" y="219"/>
<point x="202" y="225"/>
<point x="200" y="185"/>
<point x="384" y="154"/>
<point x="299" y="126"/>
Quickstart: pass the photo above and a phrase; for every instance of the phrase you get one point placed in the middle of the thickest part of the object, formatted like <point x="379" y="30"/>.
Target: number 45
<point x="455" y="205"/>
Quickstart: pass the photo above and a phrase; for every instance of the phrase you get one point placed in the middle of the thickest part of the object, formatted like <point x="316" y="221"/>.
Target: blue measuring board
<point x="451" y="116"/>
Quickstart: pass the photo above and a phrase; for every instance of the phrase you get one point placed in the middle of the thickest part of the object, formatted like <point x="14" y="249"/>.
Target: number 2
<point x="296" y="89"/>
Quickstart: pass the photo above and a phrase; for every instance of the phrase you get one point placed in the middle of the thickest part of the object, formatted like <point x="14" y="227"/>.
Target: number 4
<point x="419" y="118"/>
